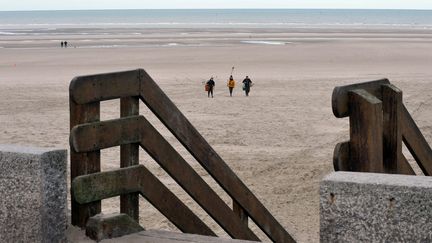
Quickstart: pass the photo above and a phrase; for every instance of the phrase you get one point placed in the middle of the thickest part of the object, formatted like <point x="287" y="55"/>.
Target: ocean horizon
<point x="200" y="27"/>
<point x="214" y="18"/>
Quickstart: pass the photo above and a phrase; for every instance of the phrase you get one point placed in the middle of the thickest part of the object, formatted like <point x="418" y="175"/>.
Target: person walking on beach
<point x="247" y="83"/>
<point x="65" y="44"/>
<point x="61" y="44"/>
<point x="231" y="84"/>
<point x="210" y="85"/>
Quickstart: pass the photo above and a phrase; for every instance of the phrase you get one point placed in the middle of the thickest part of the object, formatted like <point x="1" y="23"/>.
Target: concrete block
<point x="33" y="191"/>
<point x="106" y="226"/>
<point x="372" y="207"/>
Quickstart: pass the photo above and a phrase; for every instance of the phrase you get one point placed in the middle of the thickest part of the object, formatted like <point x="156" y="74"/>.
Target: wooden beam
<point x="366" y="121"/>
<point x="185" y="132"/>
<point x="129" y="155"/>
<point x="405" y="168"/>
<point x="83" y="163"/>
<point x="340" y="100"/>
<point x="169" y="159"/>
<point x="341" y="157"/>
<point x="105" y="134"/>
<point x="137" y="178"/>
<point x="240" y="212"/>
<point x="100" y="87"/>
<point x="392" y="133"/>
<point x="416" y="142"/>
<point x="180" y="170"/>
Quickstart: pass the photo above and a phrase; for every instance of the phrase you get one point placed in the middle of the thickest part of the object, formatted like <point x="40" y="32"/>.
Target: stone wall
<point x="33" y="191"/>
<point x="372" y="207"/>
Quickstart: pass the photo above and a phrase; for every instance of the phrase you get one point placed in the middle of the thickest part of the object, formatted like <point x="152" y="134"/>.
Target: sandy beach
<point x="279" y="140"/>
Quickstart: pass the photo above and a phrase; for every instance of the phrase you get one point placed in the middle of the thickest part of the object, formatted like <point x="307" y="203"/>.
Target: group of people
<point x="247" y="84"/>
<point x="64" y="44"/>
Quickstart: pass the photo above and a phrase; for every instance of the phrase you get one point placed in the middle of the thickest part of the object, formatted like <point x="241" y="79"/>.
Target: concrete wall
<point x="33" y="191"/>
<point x="371" y="207"/>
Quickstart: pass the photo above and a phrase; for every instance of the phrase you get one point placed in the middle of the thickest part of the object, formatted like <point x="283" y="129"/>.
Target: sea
<point x="193" y="27"/>
<point x="24" y="22"/>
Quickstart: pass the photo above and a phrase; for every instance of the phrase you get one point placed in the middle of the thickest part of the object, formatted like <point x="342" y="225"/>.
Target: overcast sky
<point x="174" y="4"/>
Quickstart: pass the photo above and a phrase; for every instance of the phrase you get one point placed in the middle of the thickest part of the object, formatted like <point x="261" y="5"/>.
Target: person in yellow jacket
<point x="231" y="84"/>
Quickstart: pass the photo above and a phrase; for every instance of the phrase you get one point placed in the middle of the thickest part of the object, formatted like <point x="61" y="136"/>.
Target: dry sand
<point x="279" y="140"/>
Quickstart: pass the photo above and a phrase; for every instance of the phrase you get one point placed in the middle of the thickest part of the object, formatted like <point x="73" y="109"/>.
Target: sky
<point x="7" y="5"/>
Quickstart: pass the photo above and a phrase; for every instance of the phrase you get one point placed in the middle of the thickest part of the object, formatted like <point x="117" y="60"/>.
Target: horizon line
<point x="105" y="9"/>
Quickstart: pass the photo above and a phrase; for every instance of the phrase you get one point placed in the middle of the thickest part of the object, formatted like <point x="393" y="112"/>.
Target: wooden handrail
<point x="140" y="84"/>
<point x="87" y="137"/>
<point x="102" y="185"/>
<point x="416" y="142"/>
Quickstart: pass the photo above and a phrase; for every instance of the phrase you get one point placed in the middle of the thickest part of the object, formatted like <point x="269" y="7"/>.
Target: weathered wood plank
<point x="136" y="178"/>
<point x="416" y="142"/>
<point x="366" y="121"/>
<point x="105" y="134"/>
<point x="341" y="158"/>
<point x="180" y="170"/>
<point x="129" y="155"/>
<point x="340" y="100"/>
<point x="392" y="134"/>
<point x="185" y="132"/>
<point x="83" y="163"/>
<point x="103" y="185"/>
<point x="99" y="87"/>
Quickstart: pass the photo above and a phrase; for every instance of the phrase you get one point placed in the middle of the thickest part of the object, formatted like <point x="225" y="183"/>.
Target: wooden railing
<point x="131" y="131"/>
<point x="379" y="123"/>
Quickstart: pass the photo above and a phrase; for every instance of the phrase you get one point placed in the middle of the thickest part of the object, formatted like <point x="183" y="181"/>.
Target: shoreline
<point x="193" y="37"/>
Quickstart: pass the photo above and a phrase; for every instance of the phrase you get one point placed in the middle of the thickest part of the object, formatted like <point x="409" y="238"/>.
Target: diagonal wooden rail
<point x="416" y="143"/>
<point x="91" y="137"/>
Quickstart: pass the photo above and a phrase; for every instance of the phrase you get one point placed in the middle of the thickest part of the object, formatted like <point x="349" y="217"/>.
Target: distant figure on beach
<point x="231" y="84"/>
<point x="209" y="87"/>
<point x="61" y="44"/>
<point x="247" y="83"/>
<point x="65" y="44"/>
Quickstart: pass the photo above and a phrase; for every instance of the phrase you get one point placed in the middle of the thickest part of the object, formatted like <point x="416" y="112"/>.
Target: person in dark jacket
<point x="247" y="83"/>
<point x="210" y="84"/>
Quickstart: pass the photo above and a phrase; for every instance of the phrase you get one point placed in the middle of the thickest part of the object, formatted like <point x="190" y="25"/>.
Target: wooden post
<point x="240" y="212"/>
<point x="129" y="155"/>
<point x="366" y="119"/>
<point x="392" y="134"/>
<point x="83" y="163"/>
